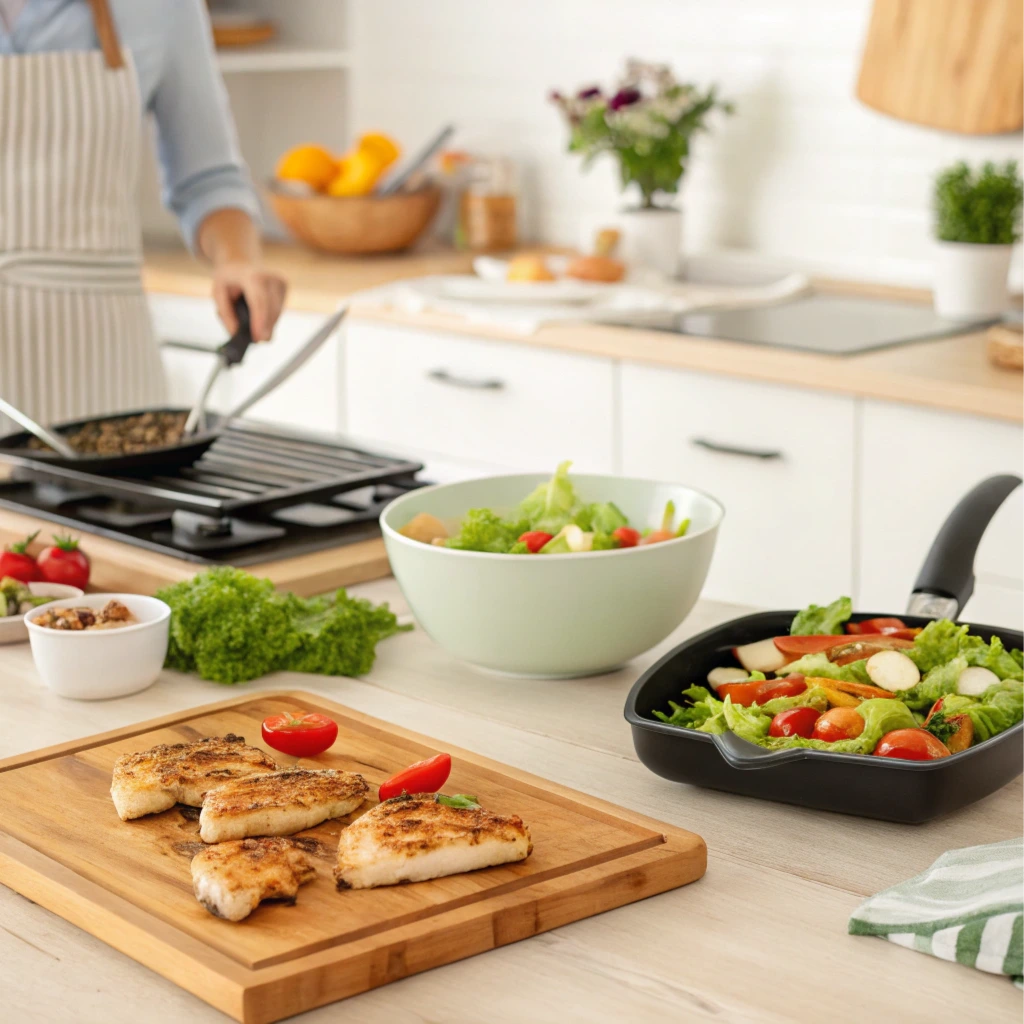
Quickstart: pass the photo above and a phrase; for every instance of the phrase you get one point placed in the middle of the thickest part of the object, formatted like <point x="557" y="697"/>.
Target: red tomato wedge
<point x="794" y="722"/>
<point x="911" y="745"/>
<point x="627" y="536"/>
<point x="422" y="777"/>
<point x="535" y="540"/>
<point x="300" y="735"/>
<point x="801" y="645"/>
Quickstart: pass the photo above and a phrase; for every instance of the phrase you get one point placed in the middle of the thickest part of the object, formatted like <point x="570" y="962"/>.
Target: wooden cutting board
<point x="951" y="64"/>
<point x="128" y="883"/>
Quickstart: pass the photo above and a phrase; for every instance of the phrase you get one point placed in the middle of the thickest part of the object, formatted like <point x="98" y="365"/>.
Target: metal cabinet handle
<point x="487" y="384"/>
<point x="729" y="449"/>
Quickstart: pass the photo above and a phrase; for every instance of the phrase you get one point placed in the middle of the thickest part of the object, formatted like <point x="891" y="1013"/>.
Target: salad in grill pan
<point x="874" y="687"/>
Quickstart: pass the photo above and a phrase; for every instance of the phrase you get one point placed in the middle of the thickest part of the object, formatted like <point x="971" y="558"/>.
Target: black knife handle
<point x="948" y="569"/>
<point x="235" y="347"/>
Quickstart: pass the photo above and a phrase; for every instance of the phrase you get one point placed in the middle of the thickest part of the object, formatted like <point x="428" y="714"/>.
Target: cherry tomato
<point x="911" y="745"/>
<point x="18" y="564"/>
<point x="535" y="540"/>
<point x="63" y="562"/>
<point x="794" y="722"/>
<point x="422" y="777"/>
<point x="626" y="536"/>
<point x="838" y="724"/>
<point x="298" y="734"/>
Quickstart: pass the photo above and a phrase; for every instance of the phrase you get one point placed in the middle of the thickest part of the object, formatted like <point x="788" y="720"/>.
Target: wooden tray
<point x="128" y="883"/>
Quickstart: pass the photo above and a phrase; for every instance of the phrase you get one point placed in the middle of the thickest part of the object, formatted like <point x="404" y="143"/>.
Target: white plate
<point x="466" y="288"/>
<point x="12" y="627"/>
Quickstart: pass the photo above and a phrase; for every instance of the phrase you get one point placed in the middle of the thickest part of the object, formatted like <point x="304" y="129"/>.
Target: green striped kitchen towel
<point x="968" y="907"/>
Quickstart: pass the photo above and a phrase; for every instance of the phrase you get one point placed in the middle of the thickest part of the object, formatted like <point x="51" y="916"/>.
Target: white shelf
<point x="281" y="57"/>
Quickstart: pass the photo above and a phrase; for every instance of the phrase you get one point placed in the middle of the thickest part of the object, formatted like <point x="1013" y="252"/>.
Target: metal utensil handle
<point x="948" y="570"/>
<point x="419" y="161"/>
<point x="58" y="444"/>
<point x="301" y="357"/>
<point x="487" y="384"/>
<point x="729" y="449"/>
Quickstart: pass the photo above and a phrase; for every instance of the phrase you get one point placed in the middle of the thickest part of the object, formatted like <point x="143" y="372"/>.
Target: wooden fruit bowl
<point x="356" y="224"/>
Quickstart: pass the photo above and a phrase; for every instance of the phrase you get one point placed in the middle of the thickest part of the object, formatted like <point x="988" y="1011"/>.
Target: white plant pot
<point x="652" y="239"/>
<point x="970" y="280"/>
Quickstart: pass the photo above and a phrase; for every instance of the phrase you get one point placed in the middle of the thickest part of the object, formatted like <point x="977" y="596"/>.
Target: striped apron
<point x="75" y="333"/>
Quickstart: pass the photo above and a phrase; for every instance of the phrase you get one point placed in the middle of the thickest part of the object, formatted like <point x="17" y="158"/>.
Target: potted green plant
<point x="977" y="221"/>
<point x="647" y="123"/>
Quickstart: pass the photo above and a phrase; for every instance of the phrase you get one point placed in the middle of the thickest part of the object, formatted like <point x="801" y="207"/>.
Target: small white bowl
<point x="12" y="627"/>
<point x="89" y="664"/>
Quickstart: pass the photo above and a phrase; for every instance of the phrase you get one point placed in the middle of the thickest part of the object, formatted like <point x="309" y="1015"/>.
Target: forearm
<point x="229" y="236"/>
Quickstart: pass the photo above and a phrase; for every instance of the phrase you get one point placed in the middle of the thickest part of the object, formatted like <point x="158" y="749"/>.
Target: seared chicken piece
<point x="279" y="803"/>
<point x="413" y="838"/>
<point x="230" y="879"/>
<point x="154" y="780"/>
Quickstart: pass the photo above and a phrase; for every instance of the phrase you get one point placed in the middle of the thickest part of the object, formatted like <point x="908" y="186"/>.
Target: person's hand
<point x="263" y="289"/>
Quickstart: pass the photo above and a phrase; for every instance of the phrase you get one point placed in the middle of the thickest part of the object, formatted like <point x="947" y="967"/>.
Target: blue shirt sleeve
<point x="202" y="168"/>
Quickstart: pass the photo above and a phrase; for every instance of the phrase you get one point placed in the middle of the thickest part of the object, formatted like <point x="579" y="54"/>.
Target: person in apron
<point x="75" y="333"/>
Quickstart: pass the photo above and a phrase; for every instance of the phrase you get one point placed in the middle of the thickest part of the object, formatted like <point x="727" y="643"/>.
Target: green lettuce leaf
<point x="551" y="505"/>
<point x="939" y="642"/>
<point x="484" y="530"/>
<point x="938" y="682"/>
<point x="748" y="723"/>
<point x="600" y="517"/>
<point x="815" y="619"/>
<point x="993" y="656"/>
<point x="690" y="716"/>
<point x="819" y="665"/>
<point x="604" y="542"/>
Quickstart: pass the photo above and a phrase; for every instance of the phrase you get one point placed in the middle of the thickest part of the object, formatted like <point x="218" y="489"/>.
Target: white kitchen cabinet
<point x="478" y="402"/>
<point x="780" y="459"/>
<point x="309" y="400"/>
<point x="916" y="464"/>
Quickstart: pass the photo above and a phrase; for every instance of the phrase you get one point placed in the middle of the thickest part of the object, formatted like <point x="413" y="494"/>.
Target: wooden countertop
<point x="951" y="373"/>
<point x="762" y="938"/>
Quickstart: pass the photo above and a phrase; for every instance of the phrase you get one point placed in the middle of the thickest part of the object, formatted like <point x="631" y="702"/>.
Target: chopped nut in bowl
<point x="99" y="645"/>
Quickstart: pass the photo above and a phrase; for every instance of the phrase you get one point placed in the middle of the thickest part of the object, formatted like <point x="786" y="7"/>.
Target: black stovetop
<point x="259" y="493"/>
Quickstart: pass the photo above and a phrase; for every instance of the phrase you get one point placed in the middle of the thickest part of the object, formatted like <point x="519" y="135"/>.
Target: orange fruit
<point x="311" y="164"/>
<point x="384" y="147"/>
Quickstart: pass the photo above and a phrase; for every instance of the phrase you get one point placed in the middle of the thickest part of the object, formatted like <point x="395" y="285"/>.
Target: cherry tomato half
<point x="626" y="536"/>
<point x="794" y="722"/>
<point x="535" y="540"/>
<point x="838" y="724"/>
<point x="422" y="777"/>
<point x="911" y="745"/>
<point x="299" y="735"/>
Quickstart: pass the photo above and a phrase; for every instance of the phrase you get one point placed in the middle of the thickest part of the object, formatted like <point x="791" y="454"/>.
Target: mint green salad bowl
<point x="552" y="616"/>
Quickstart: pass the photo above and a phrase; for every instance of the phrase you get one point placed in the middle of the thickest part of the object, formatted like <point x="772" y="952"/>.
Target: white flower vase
<point x="971" y="280"/>
<point x="652" y="238"/>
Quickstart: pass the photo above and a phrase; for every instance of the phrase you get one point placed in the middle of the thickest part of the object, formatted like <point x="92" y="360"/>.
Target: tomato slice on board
<point x="298" y="734"/>
<point x="422" y="777"/>
<point x="911" y="745"/>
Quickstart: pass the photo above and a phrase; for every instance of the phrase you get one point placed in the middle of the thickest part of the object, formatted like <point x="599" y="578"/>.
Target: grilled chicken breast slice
<point x="413" y="838"/>
<point x="153" y="780"/>
<point x="231" y="879"/>
<point x="279" y="803"/>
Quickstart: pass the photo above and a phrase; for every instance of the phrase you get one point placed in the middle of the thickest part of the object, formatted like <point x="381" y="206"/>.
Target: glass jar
<point x="488" y="213"/>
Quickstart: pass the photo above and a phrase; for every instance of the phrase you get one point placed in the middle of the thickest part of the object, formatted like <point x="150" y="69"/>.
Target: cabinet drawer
<point x="780" y="459"/>
<point x="482" y="401"/>
<point x="309" y="400"/>
<point x="917" y="464"/>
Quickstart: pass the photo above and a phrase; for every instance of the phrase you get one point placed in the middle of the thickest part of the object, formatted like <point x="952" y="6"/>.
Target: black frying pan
<point x="872" y="787"/>
<point x="14" y="447"/>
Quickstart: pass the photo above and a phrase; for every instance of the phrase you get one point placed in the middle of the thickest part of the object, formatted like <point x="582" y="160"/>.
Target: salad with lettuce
<point x="552" y="520"/>
<point x="876" y="687"/>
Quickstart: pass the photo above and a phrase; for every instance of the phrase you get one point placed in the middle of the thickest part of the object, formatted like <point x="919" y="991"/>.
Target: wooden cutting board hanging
<point x="957" y="65"/>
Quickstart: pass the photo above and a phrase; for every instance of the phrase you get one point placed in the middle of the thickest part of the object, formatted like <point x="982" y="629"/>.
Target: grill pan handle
<point x="948" y="570"/>
<point x="743" y="755"/>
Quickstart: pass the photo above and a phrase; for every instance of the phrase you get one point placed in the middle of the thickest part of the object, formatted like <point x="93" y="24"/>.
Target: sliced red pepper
<point x="535" y="540"/>
<point x="422" y="777"/>
<point x="800" y="645"/>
